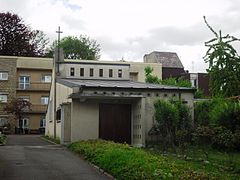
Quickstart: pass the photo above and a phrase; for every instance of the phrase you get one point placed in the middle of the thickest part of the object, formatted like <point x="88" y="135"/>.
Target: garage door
<point x="115" y="122"/>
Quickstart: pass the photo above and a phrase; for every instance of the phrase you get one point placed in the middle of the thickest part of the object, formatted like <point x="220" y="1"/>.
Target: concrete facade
<point x="79" y="98"/>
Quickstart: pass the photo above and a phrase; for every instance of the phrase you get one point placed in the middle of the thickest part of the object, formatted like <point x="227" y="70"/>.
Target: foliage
<point x="149" y="77"/>
<point x="17" y="39"/>
<point x="180" y="82"/>
<point x="81" y="47"/>
<point x="18" y="107"/>
<point x="199" y="94"/>
<point x="125" y="162"/>
<point x="52" y="139"/>
<point x="226" y="113"/>
<point x="3" y="139"/>
<point x="224" y="64"/>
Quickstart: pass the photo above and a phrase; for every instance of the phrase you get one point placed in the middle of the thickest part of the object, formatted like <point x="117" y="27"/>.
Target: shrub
<point x="3" y="139"/>
<point x="167" y="117"/>
<point x="202" y="113"/>
<point x="125" y="162"/>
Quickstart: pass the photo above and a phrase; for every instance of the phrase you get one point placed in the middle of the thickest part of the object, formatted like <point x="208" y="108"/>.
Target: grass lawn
<point x="126" y="162"/>
<point x="57" y="141"/>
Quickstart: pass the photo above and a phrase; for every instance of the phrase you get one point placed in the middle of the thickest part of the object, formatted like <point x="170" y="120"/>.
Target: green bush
<point x="125" y="162"/>
<point x="3" y="139"/>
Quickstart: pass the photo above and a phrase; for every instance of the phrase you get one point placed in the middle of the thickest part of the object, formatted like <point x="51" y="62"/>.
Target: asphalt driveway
<point x="28" y="157"/>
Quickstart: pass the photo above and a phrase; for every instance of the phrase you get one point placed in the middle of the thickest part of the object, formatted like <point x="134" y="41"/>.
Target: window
<point x="119" y="73"/>
<point x="3" y="121"/>
<point x="58" y="116"/>
<point x="24" y="82"/>
<point x="71" y="71"/>
<point x="44" y="100"/>
<point x="46" y="78"/>
<point x="81" y="71"/>
<point x="91" y="72"/>
<point x="3" y="98"/>
<point x="23" y="123"/>
<point x="110" y="73"/>
<point x="100" y="72"/>
<point x="3" y="76"/>
<point x="42" y="122"/>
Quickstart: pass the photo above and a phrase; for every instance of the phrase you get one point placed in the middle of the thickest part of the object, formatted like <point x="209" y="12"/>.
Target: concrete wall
<point x="34" y="63"/>
<point x="84" y="121"/>
<point x="137" y="72"/>
<point x="65" y="70"/>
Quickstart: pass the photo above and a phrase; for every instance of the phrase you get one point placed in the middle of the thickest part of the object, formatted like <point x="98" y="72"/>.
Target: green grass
<point x="3" y="139"/>
<point x="126" y="162"/>
<point x="57" y="140"/>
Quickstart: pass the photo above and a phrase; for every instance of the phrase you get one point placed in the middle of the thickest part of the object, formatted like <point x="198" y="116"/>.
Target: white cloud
<point x="132" y="28"/>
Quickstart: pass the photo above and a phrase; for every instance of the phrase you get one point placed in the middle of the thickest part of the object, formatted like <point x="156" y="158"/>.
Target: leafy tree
<point x="180" y="82"/>
<point x="81" y="47"/>
<point x="18" y="108"/>
<point x="17" y="39"/>
<point x="149" y="77"/>
<point x="224" y="64"/>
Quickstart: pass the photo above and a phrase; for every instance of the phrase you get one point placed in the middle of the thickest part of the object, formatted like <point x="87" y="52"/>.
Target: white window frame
<point x="46" y="78"/>
<point x="25" y="82"/>
<point x="3" y="98"/>
<point x="44" y="100"/>
<point x="3" y="121"/>
<point x="3" y="76"/>
<point x="25" y="122"/>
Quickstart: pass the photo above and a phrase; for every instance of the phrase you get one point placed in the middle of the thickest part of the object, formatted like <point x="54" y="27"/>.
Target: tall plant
<point x="224" y="64"/>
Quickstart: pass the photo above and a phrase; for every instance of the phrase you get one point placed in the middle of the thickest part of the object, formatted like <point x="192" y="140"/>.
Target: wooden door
<point x="115" y="122"/>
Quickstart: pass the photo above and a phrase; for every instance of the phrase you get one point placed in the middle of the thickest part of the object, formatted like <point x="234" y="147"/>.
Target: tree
<point x="17" y="39"/>
<point x="224" y="64"/>
<point x="18" y="108"/>
<point x="77" y="48"/>
<point x="180" y="82"/>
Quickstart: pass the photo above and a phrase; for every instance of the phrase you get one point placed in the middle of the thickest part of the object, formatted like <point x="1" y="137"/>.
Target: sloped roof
<point x="126" y="84"/>
<point x="167" y="59"/>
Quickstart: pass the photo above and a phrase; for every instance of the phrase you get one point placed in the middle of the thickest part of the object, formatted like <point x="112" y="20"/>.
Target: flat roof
<point x="122" y="84"/>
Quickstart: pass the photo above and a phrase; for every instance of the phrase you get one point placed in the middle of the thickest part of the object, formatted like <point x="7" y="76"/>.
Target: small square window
<point x="71" y="71"/>
<point x="91" y="72"/>
<point x="3" y="76"/>
<point x="100" y="72"/>
<point x="25" y="98"/>
<point x="110" y="73"/>
<point x="3" y="121"/>
<point x="81" y="72"/>
<point x="3" y="98"/>
<point x="120" y="73"/>
<point x="46" y="78"/>
<point x="44" y="100"/>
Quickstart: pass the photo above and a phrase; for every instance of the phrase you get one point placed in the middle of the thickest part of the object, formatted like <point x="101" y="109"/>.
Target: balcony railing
<point x="39" y="108"/>
<point x="34" y="86"/>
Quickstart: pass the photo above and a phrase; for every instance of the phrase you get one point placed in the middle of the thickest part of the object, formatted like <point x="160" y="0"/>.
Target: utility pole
<point x="56" y="73"/>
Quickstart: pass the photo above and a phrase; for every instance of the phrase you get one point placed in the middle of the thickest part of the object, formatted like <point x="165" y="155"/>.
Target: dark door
<point x="115" y="122"/>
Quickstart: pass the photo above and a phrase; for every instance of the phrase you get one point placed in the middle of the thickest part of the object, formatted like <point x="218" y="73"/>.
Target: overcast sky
<point x="131" y="28"/>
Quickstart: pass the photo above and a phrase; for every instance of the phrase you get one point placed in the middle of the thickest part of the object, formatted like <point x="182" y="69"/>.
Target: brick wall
<point x="8" y="86"/>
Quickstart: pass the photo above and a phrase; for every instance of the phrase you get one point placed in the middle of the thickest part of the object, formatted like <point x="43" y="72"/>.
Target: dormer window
<point x="100" y="72"/>
<point x="81" y="72"/>
<point x="120" y="73"/>
<point x="91" y="72"/>
<point x="71" y="71"/>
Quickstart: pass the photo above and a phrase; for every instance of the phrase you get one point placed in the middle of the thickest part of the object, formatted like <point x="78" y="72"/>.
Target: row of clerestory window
<point x="91" y="72"/>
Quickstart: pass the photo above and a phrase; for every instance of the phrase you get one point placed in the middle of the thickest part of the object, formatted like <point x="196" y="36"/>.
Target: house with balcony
<point x="29" y="79"/>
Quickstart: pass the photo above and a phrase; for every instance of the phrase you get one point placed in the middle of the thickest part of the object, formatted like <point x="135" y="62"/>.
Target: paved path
<point x="28" y="157"/>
